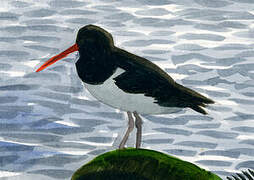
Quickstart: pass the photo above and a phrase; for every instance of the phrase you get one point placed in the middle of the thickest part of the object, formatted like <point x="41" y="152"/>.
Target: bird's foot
<point x="138" y="124"/>
<point x="130" y="128"/>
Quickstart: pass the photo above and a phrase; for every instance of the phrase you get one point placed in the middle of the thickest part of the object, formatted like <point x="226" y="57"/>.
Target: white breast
<point x="108" y="93"/>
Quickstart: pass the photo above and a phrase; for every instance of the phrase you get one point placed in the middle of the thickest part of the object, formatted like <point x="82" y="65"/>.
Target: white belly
<point x="108" y="93"/>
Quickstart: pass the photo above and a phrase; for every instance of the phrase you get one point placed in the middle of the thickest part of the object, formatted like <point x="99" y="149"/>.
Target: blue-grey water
<point x="50" y="125"/>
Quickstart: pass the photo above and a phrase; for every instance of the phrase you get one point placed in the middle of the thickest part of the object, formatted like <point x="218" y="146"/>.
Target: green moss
<point x="140" y="164"/>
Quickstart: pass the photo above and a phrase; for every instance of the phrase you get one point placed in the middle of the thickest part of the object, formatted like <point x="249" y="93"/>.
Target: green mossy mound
<point x="140" y="164"/>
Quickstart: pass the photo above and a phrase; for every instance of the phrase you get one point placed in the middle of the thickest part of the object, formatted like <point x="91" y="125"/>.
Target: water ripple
<point x="40" y="13"/>
<point x="181" y="152"/>
<point x="209" y="37"/>
<point x="197" y="144"/>
<point x="213" y="4"/>
<point x="66" y="4"/>
<point x="9" y="16"/>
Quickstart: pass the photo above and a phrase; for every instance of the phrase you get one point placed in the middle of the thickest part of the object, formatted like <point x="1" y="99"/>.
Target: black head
<point x="94" y="45"/>
<point x="91" y="38"/>
<point x="95" y="63"/>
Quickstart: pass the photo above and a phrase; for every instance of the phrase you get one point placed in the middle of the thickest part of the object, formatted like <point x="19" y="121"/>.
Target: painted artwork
<point x="168" y="83"/>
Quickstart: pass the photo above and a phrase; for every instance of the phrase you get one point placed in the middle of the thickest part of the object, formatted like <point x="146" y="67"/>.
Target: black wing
<point x="143" y="77"/>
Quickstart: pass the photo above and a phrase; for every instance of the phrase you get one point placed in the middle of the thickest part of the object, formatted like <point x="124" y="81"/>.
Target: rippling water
<point x="50" y="126"/>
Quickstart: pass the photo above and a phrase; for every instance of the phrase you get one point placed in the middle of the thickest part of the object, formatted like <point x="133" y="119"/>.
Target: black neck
<point x="95" y="67"/>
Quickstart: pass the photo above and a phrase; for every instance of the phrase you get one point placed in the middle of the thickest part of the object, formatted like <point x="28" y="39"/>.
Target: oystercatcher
<point x="126" y="81"/>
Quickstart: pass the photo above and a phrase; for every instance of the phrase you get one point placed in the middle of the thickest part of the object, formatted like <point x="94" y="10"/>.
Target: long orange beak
<point x="58" y="57"/>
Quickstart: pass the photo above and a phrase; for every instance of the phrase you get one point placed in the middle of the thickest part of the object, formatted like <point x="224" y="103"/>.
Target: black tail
<point x="194" y="100"/>
<point x="245" y="175"/>
<point x="198" y="109"/>
<point x="198" y="103"/>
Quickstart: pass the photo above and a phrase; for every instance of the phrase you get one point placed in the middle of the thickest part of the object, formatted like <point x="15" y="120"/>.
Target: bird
<point x="126" y="81"/>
